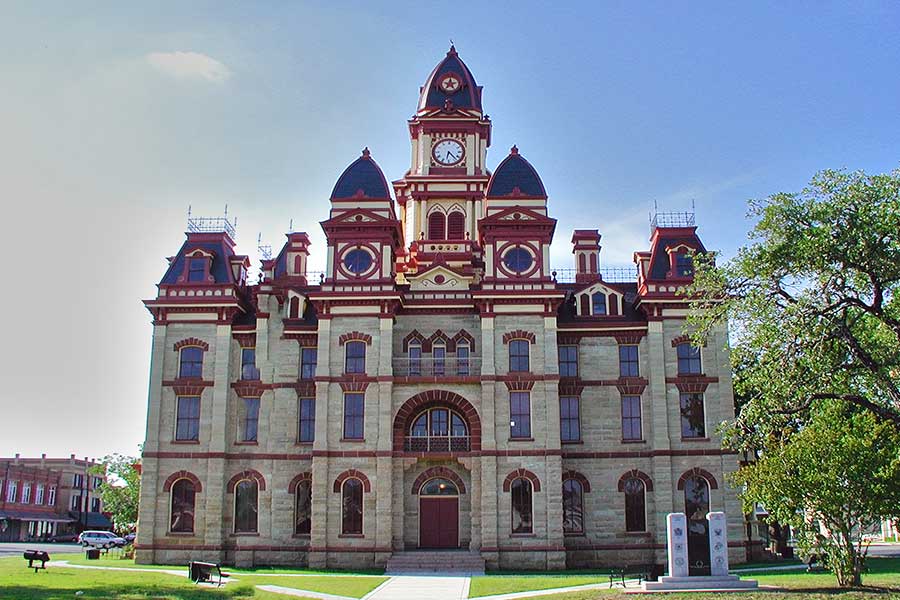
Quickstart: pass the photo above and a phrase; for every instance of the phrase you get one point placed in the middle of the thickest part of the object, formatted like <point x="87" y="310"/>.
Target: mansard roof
<point x="208" y="243"/>
<point x="467" y="96"/>
<point x="665" y="238"/>
<point x="515" y="176"/>
<point x="362" y="179"/>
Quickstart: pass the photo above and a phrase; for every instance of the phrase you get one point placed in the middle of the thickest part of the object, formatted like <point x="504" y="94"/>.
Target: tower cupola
<point x="451" y="85"/>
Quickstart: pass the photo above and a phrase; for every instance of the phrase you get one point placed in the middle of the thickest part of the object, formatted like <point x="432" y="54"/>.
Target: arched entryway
<point x="439" y="514"/>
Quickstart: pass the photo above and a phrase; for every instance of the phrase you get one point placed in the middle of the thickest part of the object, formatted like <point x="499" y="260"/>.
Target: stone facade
<point x="463" y="324"/>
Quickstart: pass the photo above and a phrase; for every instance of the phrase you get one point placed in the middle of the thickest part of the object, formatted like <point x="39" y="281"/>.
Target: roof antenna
<point x="291" y="226"/>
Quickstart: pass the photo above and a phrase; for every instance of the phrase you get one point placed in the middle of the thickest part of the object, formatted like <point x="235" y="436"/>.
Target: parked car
<point x="100" y="539"/>
<point x="64" y="538"/>
<point x="129" y="537"/>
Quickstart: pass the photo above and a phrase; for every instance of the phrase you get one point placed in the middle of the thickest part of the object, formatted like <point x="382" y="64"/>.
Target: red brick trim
<point x="247" y="474"/>
<point x="191" y="342"/>
<point x="568" y="387"/>
<point x="518" y="334"/>
<point x="437" y="337"/>
<point x="354" y="336"/>
<point x="692" y="385"/>
<point x="635" y="474"/>
<point x="433" y="472"/>
<point x="354" y="386"/>
<point x="585" y="484"/>
<point x="519" y="473"/>
<point x="463" y="336"/>
<point x="352" y="474"/>
<point x="631" y="386"/>
<point x="413" y="336"/>
<point x="292" y="486"/>
<point x="698" y="472"/>
<point x="188" y="387"/>
<point x="249" y="388"/>
<point x="306" y="340"/>
<point x="628" y="338"/>
<point x="245" y="340"/>
<point x="171" y="479"/>
<point x="567" y="339"/>
<point x="429" y="398"/>
<point x="684" y="339"/>
<point x="519" y="385"/>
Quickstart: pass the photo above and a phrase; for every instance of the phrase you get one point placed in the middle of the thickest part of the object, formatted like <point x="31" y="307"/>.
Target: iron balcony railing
<point x="437" y="367"/>
<point x="436" y="443"/>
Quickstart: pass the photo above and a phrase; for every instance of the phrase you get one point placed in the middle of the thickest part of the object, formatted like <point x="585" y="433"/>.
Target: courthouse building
<point x="440" y="385"/>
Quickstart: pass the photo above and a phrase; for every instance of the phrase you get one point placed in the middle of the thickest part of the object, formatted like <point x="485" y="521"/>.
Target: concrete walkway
<point x="413" y="587"/>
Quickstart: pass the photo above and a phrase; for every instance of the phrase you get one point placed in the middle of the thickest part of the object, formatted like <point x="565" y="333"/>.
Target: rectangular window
<point x="684" y="265"/>
<point x="248" y="364"/>
<point x="693" y="419"/>
<point x="98" y="481"/>
<point x="26" y="493"/>
<point x="39" y="494"/>
<point x="462" y="360"/>
<point x="307" y="432"/>
<point x="688" y="359"/>
<point x="519" y="356"/>
<point x="519" y="415"/>
<point x="355" y="357"/>
<point x="78" y="481"/>
<point x="354" y="410"/>
<point x="76" y="503"/>
<point x="631" y="418"/>
<point x="191" y="363"/>
<point x="569" y="419"/>
<point x="628" y="361"/>
<point x="197" y="269"/>
<point x="568" y="361"/>
<point x="250" y="430"/>
<point x="439" y="353"/>
<point x="308" y="359"/>
<point x="51" y="496"/>
<point x="187" y="422"/>
<point x="95" y="504"/>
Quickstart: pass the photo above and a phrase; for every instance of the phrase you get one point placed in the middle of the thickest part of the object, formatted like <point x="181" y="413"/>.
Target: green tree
<point x="121" y="490"/>
<point x="840" y="472"/>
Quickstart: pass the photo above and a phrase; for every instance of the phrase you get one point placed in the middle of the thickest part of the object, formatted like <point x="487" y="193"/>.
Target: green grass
<point x="489" y="585"/>
<point x="58" y="583"/>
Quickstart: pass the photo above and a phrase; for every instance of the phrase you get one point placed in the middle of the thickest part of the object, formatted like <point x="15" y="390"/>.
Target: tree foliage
<point x="840" y="472"/>
<point x="121" y="490"/>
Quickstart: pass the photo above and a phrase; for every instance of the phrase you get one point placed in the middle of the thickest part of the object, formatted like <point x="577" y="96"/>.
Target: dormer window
<point x="598" y="304"/>
<point x="684" y="265"/>
<point x="197" y="269"/>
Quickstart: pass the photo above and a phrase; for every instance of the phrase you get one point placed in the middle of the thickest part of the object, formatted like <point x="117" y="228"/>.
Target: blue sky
<point x="115" y="117"/>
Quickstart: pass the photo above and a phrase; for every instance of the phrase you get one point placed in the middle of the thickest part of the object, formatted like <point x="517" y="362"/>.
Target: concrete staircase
<point x="454" y="562"/>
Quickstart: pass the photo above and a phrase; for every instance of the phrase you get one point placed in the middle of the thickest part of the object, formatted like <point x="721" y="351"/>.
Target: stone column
<point x="676" y="528"/>
<point x="149" y="530"/>
<point x="384" y="462"/>
<point x="718" y="544"/>
<point x="217" y="509"/>
<point x="489" y="484"/>
<point x="321" y="486"/>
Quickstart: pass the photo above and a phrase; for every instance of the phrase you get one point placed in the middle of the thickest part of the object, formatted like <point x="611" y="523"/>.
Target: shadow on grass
<point x="127" y="592"/>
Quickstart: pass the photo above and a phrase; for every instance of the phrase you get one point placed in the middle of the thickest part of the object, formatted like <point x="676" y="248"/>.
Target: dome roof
<point x="362" y="179"/>
<point x="467" y="94"/>
<point x="515" y="176"/>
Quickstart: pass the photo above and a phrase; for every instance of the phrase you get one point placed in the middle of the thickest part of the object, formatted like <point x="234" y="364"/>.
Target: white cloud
<point x="189" y="65"/>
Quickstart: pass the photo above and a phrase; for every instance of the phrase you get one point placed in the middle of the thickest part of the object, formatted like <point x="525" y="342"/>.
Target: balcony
<point x="437" y="367"/>
<point x="436" y="443"/>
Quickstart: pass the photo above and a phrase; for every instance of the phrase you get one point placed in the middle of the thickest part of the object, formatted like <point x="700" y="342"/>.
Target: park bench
<point x="33" y="556"/>
<point x="618" y="575"/>
<point x="202" y="572"/>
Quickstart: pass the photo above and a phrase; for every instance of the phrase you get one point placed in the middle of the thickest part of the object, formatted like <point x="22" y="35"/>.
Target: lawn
<point x="489" y="585"/>
<point x="57" y="583"/>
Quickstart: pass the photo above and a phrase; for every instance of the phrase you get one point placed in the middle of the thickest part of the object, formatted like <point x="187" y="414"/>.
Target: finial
<point x="452" y="51"/>
<point x="514" y="149"/>
<point x="366" y="152"/>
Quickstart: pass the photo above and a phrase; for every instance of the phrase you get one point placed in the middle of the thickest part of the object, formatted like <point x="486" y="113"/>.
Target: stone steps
<point x="435" y="561"/>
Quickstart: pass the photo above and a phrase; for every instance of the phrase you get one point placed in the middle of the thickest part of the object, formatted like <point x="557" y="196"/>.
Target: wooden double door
<point x="439" y="522"/>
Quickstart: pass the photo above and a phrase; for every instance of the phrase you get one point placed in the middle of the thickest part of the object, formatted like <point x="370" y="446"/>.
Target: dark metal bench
<point x="618" y="575"/>
<point x="33" y="556"/>
<point x="202" y="572"/>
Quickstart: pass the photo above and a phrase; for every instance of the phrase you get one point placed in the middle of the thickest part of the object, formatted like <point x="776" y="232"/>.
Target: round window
<point x="439" y="487"/>
<point x="357" y="261"/>
<point x="518" y="260"/>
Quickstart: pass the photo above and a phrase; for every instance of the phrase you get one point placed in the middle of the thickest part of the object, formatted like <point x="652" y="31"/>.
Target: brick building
<point x="440" y="385"/>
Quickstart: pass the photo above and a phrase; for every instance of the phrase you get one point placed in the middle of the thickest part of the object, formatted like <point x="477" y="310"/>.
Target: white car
<point x="100" y="539"/>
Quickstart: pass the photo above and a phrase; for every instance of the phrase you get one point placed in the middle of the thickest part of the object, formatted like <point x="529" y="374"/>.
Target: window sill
<point x="691" y="375"/>
<point x="571" y="442"/>
<point x="639" y="534"/>
<point x="301" y="536"/>
<point x="246" y="443"/>
<point x="634" y="441"/>
<point x="303" y="443"/>
<point x="521" y="439"/>
<point x="574" y="534"/>
<point x="353" y="440"/>
<point x="522" y="535"/>
<point x="181" y="534"/>
<point x="352" y="535"/>
<point x="185" y="441"/>
<point x="245" y="534"/>
<point x="695" y="439"/>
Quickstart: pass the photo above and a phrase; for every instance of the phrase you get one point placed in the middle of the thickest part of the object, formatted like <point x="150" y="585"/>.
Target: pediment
<point x="438" y="277"/>
<point x="518" y="214"/>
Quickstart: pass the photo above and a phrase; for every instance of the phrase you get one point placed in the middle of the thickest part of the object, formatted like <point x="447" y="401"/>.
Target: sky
<point x="116" y="117"/>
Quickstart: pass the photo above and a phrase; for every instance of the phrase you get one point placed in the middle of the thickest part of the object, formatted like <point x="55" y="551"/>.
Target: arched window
<point x="585" y="303"/>
<point x="635" y="505"/>
<point x="246" y="506"/>
<point x="598" y="300"/>
<point x="573" y="506"/>
<point x="294" y="312"/>
<point x="519" y="356"/>
<point x="438" y="487"/>
<point x="443" y="430"/>
<point x="355" y="360"/>
<point x="462" y="359"/>
<point x="593" y="263"/>
<point x="522" y="509"/>
<point x="303" y="508"/>
<point x="437" y="225"/>
<point x="582" y="263"/>
<point x="191" y="362"/>
<point x="415" y="359"/>
<point x="438" y="355"/>
<point x="456" y="225"/>
<point x="688" y="359"/>
<point x="182" y="513"/>
<point x="298" y="264"/>
<point x="352" y="507"/>
<point x="696" y="501"/>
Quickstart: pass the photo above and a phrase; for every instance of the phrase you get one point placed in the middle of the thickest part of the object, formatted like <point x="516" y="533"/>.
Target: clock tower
<point x="441" y="197"/>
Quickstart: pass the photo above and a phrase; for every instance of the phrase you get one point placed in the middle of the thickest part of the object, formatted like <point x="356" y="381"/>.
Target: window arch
<point x="598" y="303"/>
<point x="442" y="428"/>
<point x="355" y="357"/>
<point x="456" y="225"/>
<point x="438" y="486"/>
<point x="190" y="362"/>
<point x="522" y="506"/>
<point x="183" y="499"/>
<point x="303" y="507"/>
<point x="352" y="506"/>
<point x="437" y="225"/>
<point x="246" y="506"/>
<point x="635" y="504"/>
<point x="573" y="506"/>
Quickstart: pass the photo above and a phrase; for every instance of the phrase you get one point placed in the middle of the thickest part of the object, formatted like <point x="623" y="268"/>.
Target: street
<point x="13" y="548"/>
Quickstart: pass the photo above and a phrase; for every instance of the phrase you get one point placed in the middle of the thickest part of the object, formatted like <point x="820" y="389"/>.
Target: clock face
<point x="451" y="83"/>
<point x="448" y="152"/>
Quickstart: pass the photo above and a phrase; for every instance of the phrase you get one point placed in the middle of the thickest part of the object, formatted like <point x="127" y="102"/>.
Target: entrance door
<point x="439" y="523"/>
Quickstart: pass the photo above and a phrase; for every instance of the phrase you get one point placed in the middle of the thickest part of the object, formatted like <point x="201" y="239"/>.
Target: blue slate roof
<point x="661" y="265"/>
<point x="467" y="96"/>
<point x="362" y="174"/>
<point x="219" y="268"/>
<point x="515" y="172"/>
